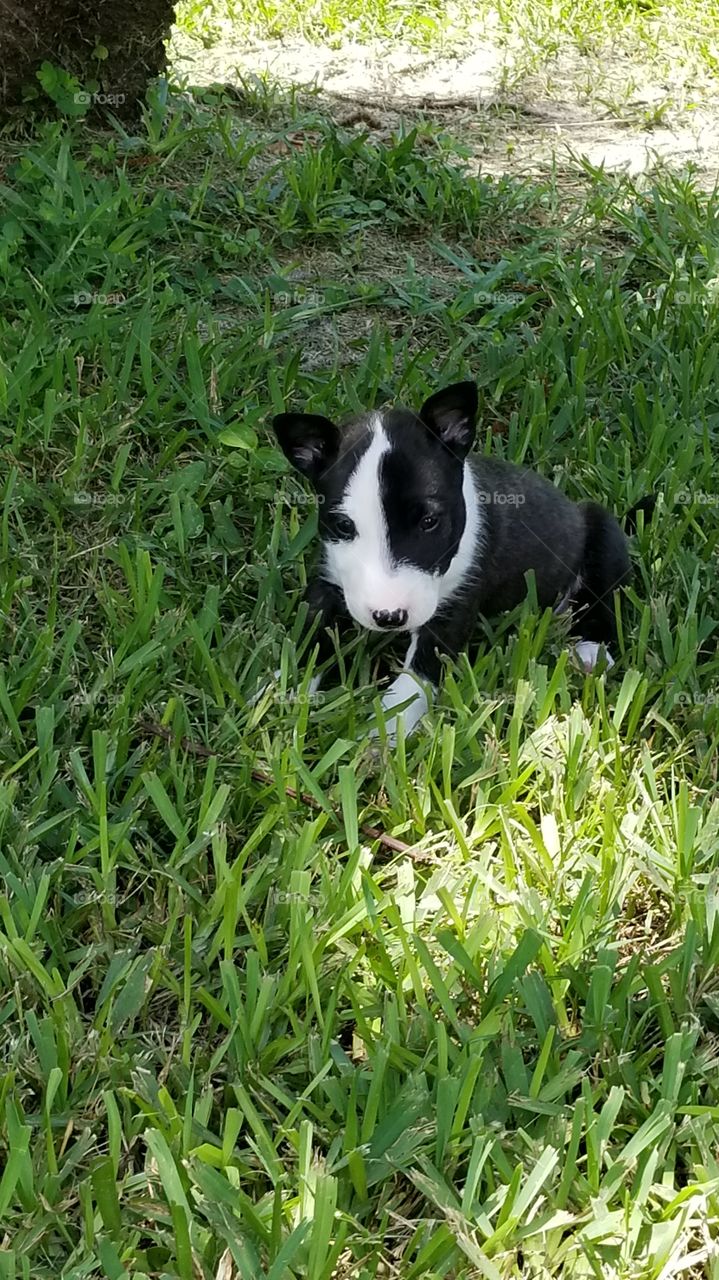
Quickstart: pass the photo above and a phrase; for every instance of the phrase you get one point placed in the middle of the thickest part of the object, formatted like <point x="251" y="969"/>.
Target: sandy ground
<point x="610" y="108"/>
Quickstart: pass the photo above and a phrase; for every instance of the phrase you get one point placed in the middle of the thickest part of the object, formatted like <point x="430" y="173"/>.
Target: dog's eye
<point x="428" y="523"/>
<point x="343" y="527"/>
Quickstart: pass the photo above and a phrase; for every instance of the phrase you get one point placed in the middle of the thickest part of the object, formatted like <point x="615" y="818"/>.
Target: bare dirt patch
<point x="607" y="108"/>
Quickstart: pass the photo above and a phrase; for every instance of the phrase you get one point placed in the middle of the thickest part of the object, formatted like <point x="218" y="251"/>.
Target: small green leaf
<point x="238" y="437"/>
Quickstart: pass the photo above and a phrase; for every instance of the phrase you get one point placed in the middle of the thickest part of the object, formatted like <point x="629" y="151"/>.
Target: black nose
<point x="384" y="618"/>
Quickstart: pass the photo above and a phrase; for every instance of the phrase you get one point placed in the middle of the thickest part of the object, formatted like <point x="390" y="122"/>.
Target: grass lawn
<point x="266" y="1009"/>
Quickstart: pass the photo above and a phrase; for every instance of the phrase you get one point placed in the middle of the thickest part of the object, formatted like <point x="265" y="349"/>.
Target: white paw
<point x="406" y="688"/>
<point x="588" y="652"/>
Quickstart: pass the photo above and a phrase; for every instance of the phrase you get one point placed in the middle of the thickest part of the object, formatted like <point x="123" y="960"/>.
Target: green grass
<point x="239" y="1035"/>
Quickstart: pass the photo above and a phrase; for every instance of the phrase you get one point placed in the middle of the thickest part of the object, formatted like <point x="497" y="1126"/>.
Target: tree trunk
<point x="67" y="33"/>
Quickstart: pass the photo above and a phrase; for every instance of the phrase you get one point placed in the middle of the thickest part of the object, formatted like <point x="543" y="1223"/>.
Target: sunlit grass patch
<point x="664" y="33"/>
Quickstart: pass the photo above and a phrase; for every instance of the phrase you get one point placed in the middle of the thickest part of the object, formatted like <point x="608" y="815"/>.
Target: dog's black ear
<point x="309" y="441"/>
<point x="451" y="415"/>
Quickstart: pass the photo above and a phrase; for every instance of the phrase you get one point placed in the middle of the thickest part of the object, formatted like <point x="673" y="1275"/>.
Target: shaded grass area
<point x="239" y="1037"/>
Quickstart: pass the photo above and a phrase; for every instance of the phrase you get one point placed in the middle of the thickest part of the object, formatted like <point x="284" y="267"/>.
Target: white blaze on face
<point x="364" y="568"/>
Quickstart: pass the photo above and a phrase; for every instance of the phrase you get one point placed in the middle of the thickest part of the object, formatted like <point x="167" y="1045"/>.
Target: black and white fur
<point x="421" y="538"/>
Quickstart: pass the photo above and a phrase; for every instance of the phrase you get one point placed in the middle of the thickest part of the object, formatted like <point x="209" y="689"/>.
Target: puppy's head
<point x="392" y="501"/>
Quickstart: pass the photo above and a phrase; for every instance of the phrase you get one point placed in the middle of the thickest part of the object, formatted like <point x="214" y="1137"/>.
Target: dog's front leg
<point x="406" y="688"/>
<point x="421" y="674"/>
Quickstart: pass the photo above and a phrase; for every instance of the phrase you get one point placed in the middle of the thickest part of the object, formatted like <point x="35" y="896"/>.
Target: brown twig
<point x="151" y="729"/>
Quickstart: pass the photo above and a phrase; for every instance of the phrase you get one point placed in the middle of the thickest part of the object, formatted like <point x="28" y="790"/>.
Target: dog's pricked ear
<point x="309" y="441"/>
<point x="451" y="415"/>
